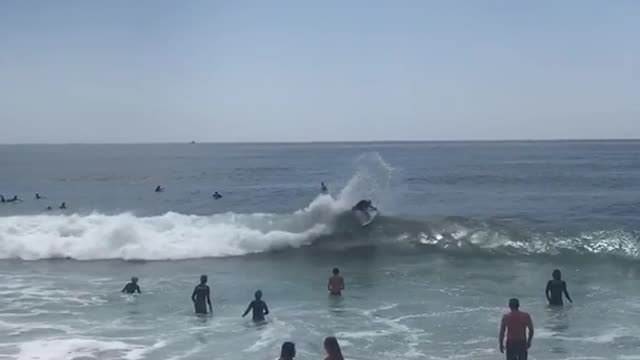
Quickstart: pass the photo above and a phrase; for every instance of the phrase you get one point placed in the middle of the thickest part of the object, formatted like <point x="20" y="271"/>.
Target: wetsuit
<point x="555" y="289"/>
<point x="201" y="298"/>
<point x="363" y="205"/>
<point x="259" y="308"/>
<point x="131" y="288"/>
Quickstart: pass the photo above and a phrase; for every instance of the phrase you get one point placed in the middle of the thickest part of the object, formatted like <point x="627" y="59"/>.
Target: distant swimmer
<point x="555" y="289"/>
<point x="49" y="208"/>
<point x="258" y="306"/>
<point x="14" y="199"/>
<point x="159" y="189"/>
<point x="323" y="188"/>
<point x="217" y="196"/>
<point x="38" y="197"/>
<point x="201" y="296"/>
<point x="332" y="348"/>
<point x="515" y="324"/>
<point x="336" y="283"/>
<point x="288" y="351"/>
<point x="2" y="200"/>
<point x="364" y="206"/>
<point x="132" y="287"/>
<point x="63" y="206"/>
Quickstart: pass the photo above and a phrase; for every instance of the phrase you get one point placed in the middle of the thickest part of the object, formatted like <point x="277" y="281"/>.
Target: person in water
<point x="63" y="206"/>
<point x="159" y="189"/>
<point x="216" y="195"/>
<point x="49" y="208"/>
<point x="323" y="188"/>
<point x="555" y="289"/>
<point x="515" y="324"/>
<point x="132" y="287"/>
<point x="364" y="206"/>
<point x="201" y="296"/>
<point x="38" y="197"/>
<point x="2" y="200"/>
<point x="258" y="306"/>
<point x="13" y="199"/>
<point x="288" y="351"/>
<point x="336" y="283"/>
<point x="332" y="348"/>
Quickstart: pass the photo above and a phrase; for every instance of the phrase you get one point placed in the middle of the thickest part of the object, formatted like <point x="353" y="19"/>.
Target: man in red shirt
<point x="515" y="324"/>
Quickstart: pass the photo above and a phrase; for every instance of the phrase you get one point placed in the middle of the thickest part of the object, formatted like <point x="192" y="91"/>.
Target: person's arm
<point x="209" y="299"/>
<point x="138" y="289"/>
<point x="503" y="328"/>
<point x="193" y="296"/>
<point x="341" y="283"/>
<point x="124" y="288"/>
<point x="547" y="291"/>
<point x="566" y="292"/>
<point x="248" y="309"/>
<point x="530" y="326"/>
<point x="266" y="309"/>
<point x="329" y="285"/>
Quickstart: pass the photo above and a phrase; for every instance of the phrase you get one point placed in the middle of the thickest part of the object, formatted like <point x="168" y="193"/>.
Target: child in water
<point x="258" y="306"/>
<point x="132" y="287"/>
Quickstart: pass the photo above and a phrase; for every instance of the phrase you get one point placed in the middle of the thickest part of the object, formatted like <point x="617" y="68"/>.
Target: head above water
<point x="203" y="279"/>
<point x="336" y="271"/>
<point x="258" y="294"/>
<point x="134" y="279"/>
<point x="332" y="348"/>
<point x="514" y="304"/>
<point x="288" y="350"/>
<point x="557" y="275"/>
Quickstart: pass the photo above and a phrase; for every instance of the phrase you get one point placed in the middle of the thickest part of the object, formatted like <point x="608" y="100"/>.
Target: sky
<point x="126" y="71"/>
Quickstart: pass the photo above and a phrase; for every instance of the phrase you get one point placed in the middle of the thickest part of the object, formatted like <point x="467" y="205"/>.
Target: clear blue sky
<point x="155" y="71"/>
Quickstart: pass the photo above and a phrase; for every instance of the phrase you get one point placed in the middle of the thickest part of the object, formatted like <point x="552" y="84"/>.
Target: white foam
<point x="63" y="349"/>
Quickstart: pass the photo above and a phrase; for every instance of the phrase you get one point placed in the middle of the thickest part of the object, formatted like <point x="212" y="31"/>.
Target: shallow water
<point x="465" y="226"/>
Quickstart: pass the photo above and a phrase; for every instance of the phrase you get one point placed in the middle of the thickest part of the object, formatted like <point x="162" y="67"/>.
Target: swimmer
<point x="38" y="197"/>
<point x="217" y="195"/>
<point x="515" y="324"/>
<point x="364" y="206"/>
<point x="288" y="351"/>
<point x="201" y="296"/>
<point x="159" y="189"/>
<point x="323" y="188"/>
<point x="14" y="199"/>
<point x="2" y="200"/>
<point x="258" y="306"/>
<point x="63" y="206"/>
<point x="132" y="287"/>
<point x="555" y="289"/>
<point x="332" y="349"/>
<point x="49" y="208"/>
<point x="336" y="283"/>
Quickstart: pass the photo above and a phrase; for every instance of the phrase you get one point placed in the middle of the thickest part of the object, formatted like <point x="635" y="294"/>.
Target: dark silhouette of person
<point x="323" y="188"/>
<point x="336" y="283"/>
<point x="2" y="199"/>
<point x="63" y="206"/>
<point x="159" y="189"/>
<point x="555" y="289"/>
<point x="258" y="306"/>
<point x="132" y="287"/>
<point x="288" y="351"/>
<point x="38" y="197"/>
<point x="332" y="348"/>
<point x="201" y="296"/>
<point x="216" y="195"/>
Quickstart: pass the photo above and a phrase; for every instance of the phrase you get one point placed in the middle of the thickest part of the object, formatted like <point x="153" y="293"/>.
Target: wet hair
<point x="203" y="278"/>
<point x="336" y="271"/>
<point x="288" y="350"/>
<point x="557" y="275"/>
<point x="332" y="348"/>
<point x="134" y="279"/>
<point x="258" y="294"/>
<point x="514" y="304"/>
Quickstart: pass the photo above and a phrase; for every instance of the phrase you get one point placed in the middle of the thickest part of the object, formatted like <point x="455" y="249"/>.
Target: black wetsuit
<point x="556" y="288"/>
<point x="131" y="288"/>
<point x="362" y="205"/>
<point x="259" y="308"/>
<point x="201" y="298"/>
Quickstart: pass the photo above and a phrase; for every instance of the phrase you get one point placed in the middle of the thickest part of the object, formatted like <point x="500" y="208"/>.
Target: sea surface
<point x="464" y="226"/>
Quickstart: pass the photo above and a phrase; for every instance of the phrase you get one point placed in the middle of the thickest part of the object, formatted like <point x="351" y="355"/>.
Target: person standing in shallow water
<point x="132" y="287"/>
<point x="332" y="348"/>
<point x="336" y="283"/>
<point x="201" y="296"/>
<point x="258" y="306"/>
<point x="515" y="324"/>
<point x="555" y="289"/>
<point x="288" y="351"/>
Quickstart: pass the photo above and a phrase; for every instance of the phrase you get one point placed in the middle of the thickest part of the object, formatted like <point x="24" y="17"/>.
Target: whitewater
<point x="463" y="227"/>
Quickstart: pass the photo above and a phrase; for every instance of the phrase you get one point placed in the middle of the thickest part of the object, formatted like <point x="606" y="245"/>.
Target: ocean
<point x="464" y="226"/>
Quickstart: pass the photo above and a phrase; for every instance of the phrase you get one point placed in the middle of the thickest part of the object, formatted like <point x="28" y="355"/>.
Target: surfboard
<point x="365" y="220"/>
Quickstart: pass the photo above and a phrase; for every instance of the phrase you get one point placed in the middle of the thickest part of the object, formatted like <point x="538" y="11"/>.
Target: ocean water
<point x="463" y="227"/>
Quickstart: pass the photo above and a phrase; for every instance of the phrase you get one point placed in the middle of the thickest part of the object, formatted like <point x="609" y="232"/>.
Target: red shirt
<point x="516" y="323"/>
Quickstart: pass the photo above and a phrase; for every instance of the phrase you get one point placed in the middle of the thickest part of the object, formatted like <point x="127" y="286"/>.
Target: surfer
<point x="363" y="206"/>
<point x="217" y="196"/>
<point x="38" y="197"/>
<point x="515" y="324"/>
<point x="288" y="351"/>
<point x="159" y="189"/>
<point x="132" y="287"/>
<point x="201" y="296"/>
<point x="14" y="199"/>
<point x="2" y="200"/>
<point x="555" y="289"/>
<point x="63" y="206"/>
<point x="336" y="283"/>
<point x="258" y="306"/>
<point x="323" y="188"/>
